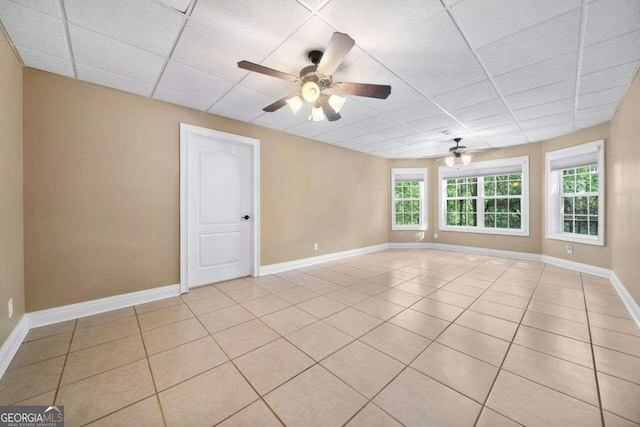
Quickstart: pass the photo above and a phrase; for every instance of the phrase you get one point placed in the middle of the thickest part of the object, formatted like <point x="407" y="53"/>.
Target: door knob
<point x="246" y="217"/>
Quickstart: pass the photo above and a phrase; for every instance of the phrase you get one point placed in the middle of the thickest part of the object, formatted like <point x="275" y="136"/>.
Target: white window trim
<point x="554" y="214"/>
<point x="424" y="207"/>
<point x="484" y="166"/>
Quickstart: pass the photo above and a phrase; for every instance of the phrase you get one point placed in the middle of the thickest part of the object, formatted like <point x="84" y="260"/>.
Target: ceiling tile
<point x="245" y="99"/>
<point x="376" y="146"/>
<point x="182" y="79"/>
<point x="267" y="121"/>
<point x="311" y="129"/>
<point x="142" y="24"/>
<point x="548" y="109"/>
<point x="447" y="76"/>
<point x="543" y="122"/>
<point x="374" y="23"/>
<point x="365" y="69"/>
<point x="418" y="47"/>
<point x="314" y="5"/>
<point x="181" y="99"/>
<point x="207" y="49"/>
<point x="50" y="7"/>
<point x="498" y="130"/>
<point x="489" y="122"/>
<point x="616" y="51"/>
<point x="361" y="140"/>
<point x="606" y="110"/>
<point x="581" y="124"/>
<point x="377" y="123"/>
<point x="607" y="96"/>
<point x="610" y="77"/>
<point x="485" y="21"/>
<point x="543" y="73"/>
<point x="34" y="30"/>
<point x="342" y="133"/>
<point x="548" y="132"/>
<point x="259" y="25"/>
<point x="271" y="86"/>
<point x="542" y="95"/>
<point x="112" y="80"/>
<point x="478" y="111"/>
<point x="232" y="113"/>
<point x="414" y="138"/>
<point x="546" y="40"/>
<point x="45" y="62"/>
<point x="401" y="95"/>
<point x="179" y="5"/>
<point x="611" y="18"/>
<point x="413" y="112"/>
<point x="354" y="111"/>
<point x="397" y="132"/>
<point x="513" y="138"/>
<point x="467" y="96"/>
<point x="97" y="51"/>
<point x="285" y="116"/>
<point x="434" y="122"/>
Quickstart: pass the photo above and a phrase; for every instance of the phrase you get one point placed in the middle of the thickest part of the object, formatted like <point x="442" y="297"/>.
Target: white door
<point x="219" y="196"/>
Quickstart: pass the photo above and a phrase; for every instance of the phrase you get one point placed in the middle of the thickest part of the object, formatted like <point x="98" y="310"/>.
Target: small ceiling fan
<point x="458" y="152"/>
<point x="316" y="78"/>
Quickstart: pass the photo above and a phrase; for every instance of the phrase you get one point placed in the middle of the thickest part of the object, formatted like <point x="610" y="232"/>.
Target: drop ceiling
<point x="494" y="72"/>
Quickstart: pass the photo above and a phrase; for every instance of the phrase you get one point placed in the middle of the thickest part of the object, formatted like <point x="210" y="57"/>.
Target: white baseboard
<point x="626" y="298"/>
<point x="572" y="265"/>
<point x="410" y="245"/>
<point x="307" y="262"/>
<point x="88" y="308"/>
<point x="490" y="252"/>
<point x="12" y="343"/>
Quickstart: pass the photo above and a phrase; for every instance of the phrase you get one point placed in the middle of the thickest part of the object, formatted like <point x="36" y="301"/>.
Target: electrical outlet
<point x="569" y="249"/>
<point x="10" y="308"/>
<point x="435" y="235"/>
<point x="315" y="246"/>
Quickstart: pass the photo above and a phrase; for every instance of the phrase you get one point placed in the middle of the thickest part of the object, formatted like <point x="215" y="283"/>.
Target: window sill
<point x="593" y="240"/>
<point x="497" y="231"/>
<point x="403" y="228"/>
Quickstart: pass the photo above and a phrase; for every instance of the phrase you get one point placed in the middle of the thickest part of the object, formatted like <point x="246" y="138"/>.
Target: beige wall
<point x="624" y="198"/>
<point x="11" y="240"/>
<point x="102" y="192"/>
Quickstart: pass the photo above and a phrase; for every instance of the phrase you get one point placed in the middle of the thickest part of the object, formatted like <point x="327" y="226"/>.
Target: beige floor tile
<point x="490" y="418"/>
<point x="511" y="290"/>
<point x="608" y="309"/>
<point x="322" y="287"/>
<point x="462" y="289"/>
<point x="207" y="305"/>
<point x="104" y="357"/>
<point x="288" y="320"/>
<point x="315" y="398"/>
<point x="100" y="395"/>
<point x="612" y="420"/>
<point x="173" y="335"/>
<point x="283" y="285"/>
<point x="247" y="294"/>
<point x="506" y="299"/>
<point x="567" y="328"/>
<point x="301" y="279"/>
<point x="416" y="288"/>
<point x="379" y="308"/>
<point x="372" y="416"/>
<point x="555" y="298"/>
<point x="475" y="283"/>
<point x="599" y="297"/>
<point x="616" y="341"/>
<point x="369" y="288"/>
<point x="347" y="296"/>
<point x="396" y="342"/>
<point x="613" y="323"/>
<point x="560" y="375"/>
<point x="208" y="398"/>
<point x="226" y="318"/>
<point x="443" y="275"/>
<point x="273" y="364"/>
<point x="235" y="284"/>
<point x="555" y="310"/>
<point x="166" y="316"/>
<point x="45" y="399"/>
<point x="105" y="332"/>
<point x="50" y="330"/>
<point x="42" y="349"/>
<point x="158" y="305"/>
<point x="462" y="373"/>
<point x="532" y="404"/>
<point x="33" y="380"/>
<point x="362" y="367"/>
<point x="438" y="309"/>
<point x="200" y="292"/>
<point x="109" y="316"/>
<point x="489" y="325"/>
<point x="482" y="346"/>
<point x="432" y="282"/>
<point x="386" y="280"/>
<point x="618" y="364"/>
<point x="560" y="290"/>
<point x="321" y="307"/>
<point x="262" y="306"/>
<point x="556" y="345"/>
<point x="620" y="397"/>
<point x="256" y="414"/>
<point x="297" y="295"/>
<point x="181" y="363"/>
<point x="245" y="337"/>
<point x="353" y="322"/>
<point x="400" y="297"/>
<point x="145" y="413"/>
<point x="319" y="340"/>
<point x="452" y="298"/>
<point x="416" y="400"/>
<point x="502" y="311"/>
<point x="421" y="324"/>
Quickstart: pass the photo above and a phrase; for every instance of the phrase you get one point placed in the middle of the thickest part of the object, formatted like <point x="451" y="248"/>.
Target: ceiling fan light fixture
<point x="310" y="91"/>
<point x="466" y="158"/>
<point x="295" y="102"/>
<point x="337" y="102"/>
<point x="317" y="115"/>
<point x="450" y="161"/>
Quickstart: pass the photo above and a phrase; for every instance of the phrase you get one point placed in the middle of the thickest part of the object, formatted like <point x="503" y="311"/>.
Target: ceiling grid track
<point x="583" y="28"/>
<point x="63" y="11"/>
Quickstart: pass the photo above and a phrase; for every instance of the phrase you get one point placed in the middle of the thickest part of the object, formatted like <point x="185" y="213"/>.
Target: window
<point x="575" y="198"/>
<point x="408" y="199"/>
<point x="486" y="197"/>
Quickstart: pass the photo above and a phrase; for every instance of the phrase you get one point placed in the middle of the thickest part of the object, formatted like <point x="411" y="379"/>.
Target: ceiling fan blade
<point x="339" y="46"/>
<point x="278" y="104"/>
<point x="246" y="65"/>
<point x="362" y="89"/>
<point x="329" y="112"/>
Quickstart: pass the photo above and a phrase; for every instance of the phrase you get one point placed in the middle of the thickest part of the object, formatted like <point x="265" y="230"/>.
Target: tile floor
<point x="413" y="337"/>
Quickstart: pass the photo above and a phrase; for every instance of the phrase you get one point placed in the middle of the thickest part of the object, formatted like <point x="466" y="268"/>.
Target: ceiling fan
<point x="458" y="152"/>
<point x="316" y="78"/>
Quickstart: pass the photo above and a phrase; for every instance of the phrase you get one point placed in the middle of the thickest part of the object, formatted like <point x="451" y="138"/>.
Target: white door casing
<point x="218" y="191"/>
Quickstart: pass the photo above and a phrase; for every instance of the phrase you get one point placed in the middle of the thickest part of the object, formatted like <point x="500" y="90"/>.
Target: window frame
<point x="553" y="193"/>
<point x="486" y="168"/>
<point x="424" y="191"/>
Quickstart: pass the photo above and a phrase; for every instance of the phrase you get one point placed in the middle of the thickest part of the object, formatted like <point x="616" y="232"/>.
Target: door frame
<point x="185" y="131"/>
